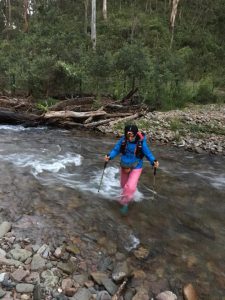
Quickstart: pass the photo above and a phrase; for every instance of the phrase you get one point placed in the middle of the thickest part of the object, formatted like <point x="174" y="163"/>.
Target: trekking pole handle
<point x="154" y="167"/>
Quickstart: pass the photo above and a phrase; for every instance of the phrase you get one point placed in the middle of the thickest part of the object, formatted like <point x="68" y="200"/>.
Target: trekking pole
<point x="105" y="164"/>
<point x="154" y="175"/>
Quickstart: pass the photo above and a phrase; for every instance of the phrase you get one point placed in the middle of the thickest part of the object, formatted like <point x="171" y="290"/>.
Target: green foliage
<point x="180" y="127"/>
<point x="131" y="61"/>
<point x="175" y="124"/>
<point x="206" y="129"/>
<point x="205" y="93"/>
<point x="44" y="105"/>
<point x="55" y="56"/>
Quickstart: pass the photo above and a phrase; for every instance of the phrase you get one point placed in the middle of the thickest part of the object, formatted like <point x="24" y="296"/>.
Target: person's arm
<point x="115" y="151"/>
<point x="147" y="152"/>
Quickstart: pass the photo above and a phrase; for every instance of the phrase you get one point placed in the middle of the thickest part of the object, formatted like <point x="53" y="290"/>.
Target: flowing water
<point x="49" y="189"/>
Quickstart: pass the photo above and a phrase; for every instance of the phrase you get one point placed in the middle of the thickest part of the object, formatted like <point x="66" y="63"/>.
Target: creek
<point x="49" y="182"/>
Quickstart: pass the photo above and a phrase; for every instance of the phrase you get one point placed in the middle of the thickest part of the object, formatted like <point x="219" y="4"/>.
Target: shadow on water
<point x="49" y="189"/>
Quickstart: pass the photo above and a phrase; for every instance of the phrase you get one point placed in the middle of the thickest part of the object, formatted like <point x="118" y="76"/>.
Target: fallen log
<point x="68" y="124"/>
<point x="132" y="117"/>
<point x="112" y="106"/>
<point x="122" y="109"/>
<point x="117" y="115"/>
<point x="129" y="95"/>
<point x="88" y="120"/>
<point x="15" y="118"/>
<point x="112" y="121"/>
<point x="97" y="123"/>
<point x="73" y="114"/>
<point x="77" y="101"/>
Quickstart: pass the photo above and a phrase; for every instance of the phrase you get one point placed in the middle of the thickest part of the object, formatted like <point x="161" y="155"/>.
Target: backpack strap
<point x="123" y="146"/>
<point x="138" y="150"/>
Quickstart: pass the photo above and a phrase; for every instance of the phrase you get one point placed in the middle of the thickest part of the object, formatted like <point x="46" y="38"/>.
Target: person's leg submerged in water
<point x="128" y="183"/>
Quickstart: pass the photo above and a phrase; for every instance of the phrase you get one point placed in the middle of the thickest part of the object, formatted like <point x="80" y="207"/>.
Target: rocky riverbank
<point x="196" y="128"/>
<point x="72" y="271"/>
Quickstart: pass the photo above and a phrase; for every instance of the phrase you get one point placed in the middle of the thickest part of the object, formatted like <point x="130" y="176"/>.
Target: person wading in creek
<point x="133" y="148"/>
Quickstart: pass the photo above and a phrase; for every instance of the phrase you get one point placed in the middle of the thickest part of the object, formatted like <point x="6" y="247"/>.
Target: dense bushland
<point x="46" y="50"/>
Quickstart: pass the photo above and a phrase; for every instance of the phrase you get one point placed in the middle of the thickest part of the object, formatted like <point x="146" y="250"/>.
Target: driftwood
<point x="13" y="102"/>
<point x="8" y="102"/>
<point x="129" y="95"/>
<point x="98" y="123"/>
<point x="117" y="115"/>
<point x="132" y="117"/>
<point x="114" y="106"/>
<point x="16" y="112"/>
<point x="111" y="117"/>
<point x="73" y="114"/>
<point x="68" y="124"/>
<point x="72" y="102"/>
<point x="10" y="117"/>
<point x="88" y="120"/>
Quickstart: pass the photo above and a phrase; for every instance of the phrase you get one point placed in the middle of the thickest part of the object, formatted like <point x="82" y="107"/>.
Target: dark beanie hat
<point x="132" y="128"/>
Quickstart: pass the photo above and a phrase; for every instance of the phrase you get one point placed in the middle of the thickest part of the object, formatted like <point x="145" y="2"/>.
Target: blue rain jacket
<point x="129" y="158"/>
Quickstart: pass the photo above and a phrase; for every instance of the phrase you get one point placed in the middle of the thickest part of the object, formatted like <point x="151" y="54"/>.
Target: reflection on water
<point x="50" y="181"/>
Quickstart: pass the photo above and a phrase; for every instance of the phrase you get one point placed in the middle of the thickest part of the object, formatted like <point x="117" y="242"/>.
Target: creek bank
<point x="200" y="129"/>
<point x="46" y="272"/>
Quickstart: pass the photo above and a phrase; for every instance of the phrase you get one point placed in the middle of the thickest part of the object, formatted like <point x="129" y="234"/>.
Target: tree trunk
<point x="9" y="17"/>
<point x="134" y="24"/>
<point x="104" y="9"/>
<point x="25" y="15"/>
<point x="130" y="94"/>
<point x="172" y="19"/>
<point x="148" y="6"/>
<point x="86" y="2"/>
<point x="93" y="24"/>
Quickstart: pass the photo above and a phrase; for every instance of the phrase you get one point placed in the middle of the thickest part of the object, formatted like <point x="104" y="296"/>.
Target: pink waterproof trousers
<point x="128" y="183"/>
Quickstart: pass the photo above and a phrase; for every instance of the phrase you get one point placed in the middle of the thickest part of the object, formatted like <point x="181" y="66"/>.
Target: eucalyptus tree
<point x="172" y="19"/>
<point x="6" y="10"/>
<point x="104" y="9"/>
<point x="25" y="14"/>
<point x="93" y="24"/>
<point x="86" y="5"/>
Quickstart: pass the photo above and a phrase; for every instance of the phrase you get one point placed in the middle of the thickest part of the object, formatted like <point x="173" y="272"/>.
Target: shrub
<point x="205" y="93"/>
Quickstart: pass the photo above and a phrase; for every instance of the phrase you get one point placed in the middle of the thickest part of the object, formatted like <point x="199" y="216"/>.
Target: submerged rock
<point x="2" y="293"/>
<point x="24" y="288"/>
<point x="99" y="277"/>
<point x="120" y="271"/>
<point x="167" y="295"/>
<point x="38" y="263"/>
<point x="82" y="294"/>
<point x="20" y="254"/>
<point x="141" y="253"/>
<point x="142" y="294"/>
<point x="195" y="224"/>
<point x="50" y="280"/>
<point x="189" y="292"/>
<point x="4" y="228"/>
<point x="103" y="295"/>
